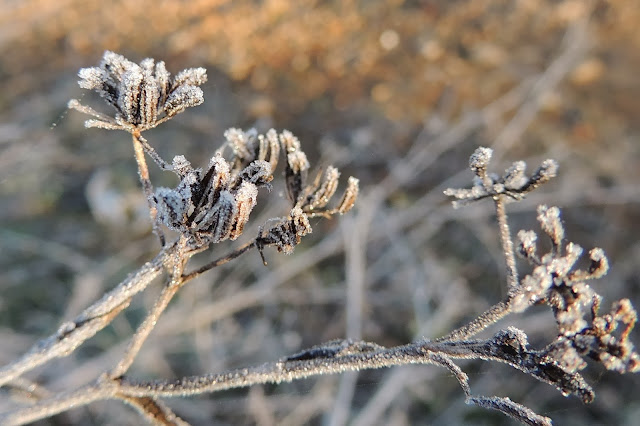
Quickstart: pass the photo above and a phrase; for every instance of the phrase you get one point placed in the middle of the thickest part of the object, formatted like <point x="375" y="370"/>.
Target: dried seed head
<point x="549" y="218"/>
<point x="296" y="174"/>
<point x="245" y="199"/>
<point x="215" y="224"/>
<point x="182" y="98"/>
<point x="479" y="161"/>
<point x="599" y="263"/>
<point x="269" y="148"/>
<point x="258" y="173"/>
<point x="142" y="95"/>
<point x="241" y="144"/>
<point x="318" y="194"/>
<point x="514" y="177"/>
<point x="350" y="195"/>
<point x="286" y="233"/>
<point x="547" y="170"/>
<point x="190" y="77"/>
<point x="527" y="246"/>
<point x="181" y="166"/>
<point x="513" y="184"/>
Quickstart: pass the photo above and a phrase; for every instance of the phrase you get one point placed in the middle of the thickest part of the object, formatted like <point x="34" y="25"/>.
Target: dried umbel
<point x="556" y="281"/>
<point x="212" y="205"/>
<point x="207" y="206"/>
<point x="513" y="183"/>
<point x="144" y="95"/>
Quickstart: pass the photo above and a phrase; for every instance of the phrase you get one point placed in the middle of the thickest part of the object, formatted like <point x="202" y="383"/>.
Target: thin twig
<point x="154" y="411"/>
<point x="93" y="319"/>
<point x="147" y="187"/>
<point x="220" y="261"/>
<point x="484" y="320"/>
<point x="170" y="289"/>
<point x="507" y="243"/>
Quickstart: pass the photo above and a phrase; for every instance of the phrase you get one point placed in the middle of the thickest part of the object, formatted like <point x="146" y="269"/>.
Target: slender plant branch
<point x="507" y="243"/>
<point x="175" y="282"/>
<point x="220" y="261"/>
<point x="331" y="358"/>
<point x="484" y="320"/>
<point x="154" y="411"/>
<point x="147" y="187"/>
<point x="93" y="319"/>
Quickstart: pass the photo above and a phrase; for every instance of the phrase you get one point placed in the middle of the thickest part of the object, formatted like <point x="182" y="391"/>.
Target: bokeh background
<point x="397" y="93"/>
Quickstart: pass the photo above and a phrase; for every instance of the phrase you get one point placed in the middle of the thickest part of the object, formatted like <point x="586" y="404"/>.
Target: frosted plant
<point x="214" y="204"/>
<point x="143" y="95"/>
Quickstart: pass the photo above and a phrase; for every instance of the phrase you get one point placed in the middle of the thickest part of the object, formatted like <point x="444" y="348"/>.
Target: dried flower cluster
<point x="513" y="183"/>
<point x="557" y="282"/>
<point x="309" y="200"/>
<point x="143" y="95"/>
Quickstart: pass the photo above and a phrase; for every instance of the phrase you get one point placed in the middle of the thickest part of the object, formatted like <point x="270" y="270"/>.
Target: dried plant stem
<point x="499" y="310"/>
<point x="220" y="261"/>
<point x="153" y="154"/>
<point x="147" y="187"/>
<point x="93" y="319"/>
<point x="174" y="284"/>
<point x="145" y="329"/>
<point x="485" y="319"/>
<point x="507" y="243"/>
<point x="62" y="402"/>
<point x="154" y="411"/>
<point x="331" y="358"/>
<point x="58" y="345"/>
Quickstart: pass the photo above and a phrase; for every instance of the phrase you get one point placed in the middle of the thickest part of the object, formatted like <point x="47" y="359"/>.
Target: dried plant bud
<point x="514" y="177"/>
<point x="319" y="194"/>
<point x="215" y="180"/>
<point x="182" y="98"/>
<point x="533" y="288"/>
<point x="547" y="170"/>
<point x="215" y="224"/>
<point x="564" y="352"/>
<point x="514" y="183"/>
<point x="172" y="208"/>
<point x="241" y="144"/>
<point x="297" y="165"/>
<point x="286" y="233"/>
<point x="599" y="263"/>
<point x="269" y="148"/>
<point x="175" y="205"/>
<point x="142" y="95"/>
<point x="479" y="161"/>
<point x="549" y="218"/>
<point x="190" y="77"/>
<point x="181" y="166"/>
<point x="464" y="196"/>
<point x="350" y="195"/>
<point x="527" y="247"/>
<point x="245" y="199"/>
<point x="258" y="173"/>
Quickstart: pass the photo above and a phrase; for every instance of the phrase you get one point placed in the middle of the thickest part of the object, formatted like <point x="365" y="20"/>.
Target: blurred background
<point x="397" y="93"/>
